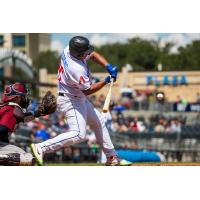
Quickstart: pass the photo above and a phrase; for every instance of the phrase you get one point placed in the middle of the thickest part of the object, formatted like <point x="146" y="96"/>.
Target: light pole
<point x="13" y="64"/>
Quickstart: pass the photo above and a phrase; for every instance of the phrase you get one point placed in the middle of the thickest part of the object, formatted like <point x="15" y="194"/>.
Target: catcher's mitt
<point x="47" y="106"/>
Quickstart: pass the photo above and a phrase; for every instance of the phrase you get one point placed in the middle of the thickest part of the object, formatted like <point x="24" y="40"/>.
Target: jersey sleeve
<point x="82" y="80"/>
<point x="8" y="120"/>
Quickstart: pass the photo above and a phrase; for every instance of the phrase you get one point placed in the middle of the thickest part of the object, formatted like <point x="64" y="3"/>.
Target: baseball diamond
<point x="139" y="106"/>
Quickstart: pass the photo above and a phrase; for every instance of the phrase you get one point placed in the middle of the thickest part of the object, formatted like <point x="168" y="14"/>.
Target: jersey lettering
<point x="81" y="80"/>
<point x="60" y="71"/>
<point x="64" y="59"/>
<point x="73" y="75"/>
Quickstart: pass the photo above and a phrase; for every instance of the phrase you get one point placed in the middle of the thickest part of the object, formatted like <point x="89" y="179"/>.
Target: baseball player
<point x="13" y="111"/>
<point x="74" y="84"/>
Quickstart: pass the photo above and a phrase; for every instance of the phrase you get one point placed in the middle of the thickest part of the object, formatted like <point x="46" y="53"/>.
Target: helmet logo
<point x="16" y="89"/>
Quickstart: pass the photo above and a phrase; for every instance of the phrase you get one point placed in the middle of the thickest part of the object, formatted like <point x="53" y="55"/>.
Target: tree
<point x="190" y="56"/>
<point x="141" y="54"/>
<point x="48" y="59"/>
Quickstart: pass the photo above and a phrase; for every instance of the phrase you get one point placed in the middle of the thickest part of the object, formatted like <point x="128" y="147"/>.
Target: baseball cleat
<point x="115" y="161"/>
<point x="112" y="161"/>
<point x="37" y="154"/>
<point x="125" y="163"/>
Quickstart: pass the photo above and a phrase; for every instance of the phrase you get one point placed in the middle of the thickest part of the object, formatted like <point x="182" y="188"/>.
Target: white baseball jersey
<point x="73" y="75"/>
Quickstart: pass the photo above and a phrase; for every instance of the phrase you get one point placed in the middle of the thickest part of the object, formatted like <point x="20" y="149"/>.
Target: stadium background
<point x="139" y="122"/>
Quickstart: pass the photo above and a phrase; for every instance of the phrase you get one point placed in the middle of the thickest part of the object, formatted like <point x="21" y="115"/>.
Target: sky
<point x="60" y="40"/>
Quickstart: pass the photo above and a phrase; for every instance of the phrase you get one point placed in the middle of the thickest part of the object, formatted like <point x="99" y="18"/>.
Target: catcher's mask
<point x="15" y="90"/>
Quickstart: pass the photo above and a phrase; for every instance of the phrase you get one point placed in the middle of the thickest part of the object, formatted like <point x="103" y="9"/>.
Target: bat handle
<point x="112" y="81"/>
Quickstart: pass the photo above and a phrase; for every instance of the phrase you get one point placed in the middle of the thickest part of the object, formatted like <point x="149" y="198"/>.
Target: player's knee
<point x="76" y="136"/>
<point x="26" y="159"/>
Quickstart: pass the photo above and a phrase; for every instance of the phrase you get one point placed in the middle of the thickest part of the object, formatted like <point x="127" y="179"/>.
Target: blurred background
<point x="155" y="110"/>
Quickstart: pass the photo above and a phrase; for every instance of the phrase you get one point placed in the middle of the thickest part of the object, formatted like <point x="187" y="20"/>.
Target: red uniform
<point x="7" y="117"/>
<point x="11" y="114"/>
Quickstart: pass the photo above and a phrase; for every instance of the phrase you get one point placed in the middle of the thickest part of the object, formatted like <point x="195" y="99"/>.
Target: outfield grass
<point x="134" y="164"/>
<point x="73" y="164"/>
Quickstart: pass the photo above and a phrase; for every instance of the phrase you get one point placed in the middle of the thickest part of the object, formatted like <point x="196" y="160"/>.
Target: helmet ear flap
<point x="8" y="90"/>
<point x="76" y="54"/>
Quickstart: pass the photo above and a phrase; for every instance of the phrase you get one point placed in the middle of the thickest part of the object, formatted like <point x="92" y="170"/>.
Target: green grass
<point x="134" y="164"/>
<point x="73" y="164"/>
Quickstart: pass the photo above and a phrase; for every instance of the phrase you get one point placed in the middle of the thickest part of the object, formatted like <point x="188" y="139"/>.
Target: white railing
<point x="23" y="62"/>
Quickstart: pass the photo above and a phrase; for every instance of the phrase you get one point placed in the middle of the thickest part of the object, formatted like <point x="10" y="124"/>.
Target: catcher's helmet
<point x="78" y="46"/>
<point x="13" y="90"/>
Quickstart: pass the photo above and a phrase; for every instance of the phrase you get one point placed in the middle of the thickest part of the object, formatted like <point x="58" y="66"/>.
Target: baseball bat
<point x="108" y="98"/>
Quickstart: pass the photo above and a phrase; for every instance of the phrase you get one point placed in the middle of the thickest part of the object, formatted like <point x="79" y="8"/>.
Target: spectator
<point x="160" y="127"/>
<point x="198" y="97"/>
<point x="107" y="117"/>
<point x="179" y="99"/>
<point x="91" y="138"/>
<point x="101" y="100"/>
<point x="175" y="126"/>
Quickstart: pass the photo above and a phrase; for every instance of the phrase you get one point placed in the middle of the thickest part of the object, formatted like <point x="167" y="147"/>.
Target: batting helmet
<point x="79" y="46"/>
<point x="11" y="91"/>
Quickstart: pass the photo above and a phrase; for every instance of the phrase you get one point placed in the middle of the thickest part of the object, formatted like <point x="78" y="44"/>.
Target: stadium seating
<point x="166" y="80"/>
<point x="149" y="79"/>
<point x="183" y="80"/>
<point x="175" y="80"/>
<point x="156" y="82"/>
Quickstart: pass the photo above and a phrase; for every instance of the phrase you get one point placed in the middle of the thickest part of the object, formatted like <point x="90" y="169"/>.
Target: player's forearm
<point x="96" y="57"/>
<point x="95" y="87"/>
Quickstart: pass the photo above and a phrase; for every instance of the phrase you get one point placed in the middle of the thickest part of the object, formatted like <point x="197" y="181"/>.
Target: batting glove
<point x="112" y="71"/>
<point x="107" y="79"/>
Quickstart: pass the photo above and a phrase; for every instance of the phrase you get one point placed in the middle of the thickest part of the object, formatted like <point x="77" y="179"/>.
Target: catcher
<point x="13" y="110"/>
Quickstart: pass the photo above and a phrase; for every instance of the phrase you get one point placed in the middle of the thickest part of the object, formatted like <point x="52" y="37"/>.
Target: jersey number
<point x="60" y="71"/>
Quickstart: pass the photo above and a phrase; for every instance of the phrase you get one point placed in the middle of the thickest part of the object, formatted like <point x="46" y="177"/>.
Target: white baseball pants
<point x="79" y="112"/>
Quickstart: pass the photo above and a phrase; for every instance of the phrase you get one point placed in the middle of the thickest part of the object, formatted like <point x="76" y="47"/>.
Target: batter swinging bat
<point x="108" y="98"/>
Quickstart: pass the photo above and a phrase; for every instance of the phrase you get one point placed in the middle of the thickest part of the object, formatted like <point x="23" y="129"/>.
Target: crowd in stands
<point x="116" y="121"/>
<point x="129" y="99"/>
<point x="49" y="126"/>
<point x="141" y="100"/>
<point x="138" y="124"/>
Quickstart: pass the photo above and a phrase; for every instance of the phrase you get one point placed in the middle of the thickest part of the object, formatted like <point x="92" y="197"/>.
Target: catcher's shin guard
<point x="26" y="159"/>
<point x="12" y="159"/>
<point x="16" y="159"/>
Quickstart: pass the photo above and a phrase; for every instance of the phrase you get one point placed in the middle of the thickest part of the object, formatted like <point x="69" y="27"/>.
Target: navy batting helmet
<point x="79" y="46"/>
